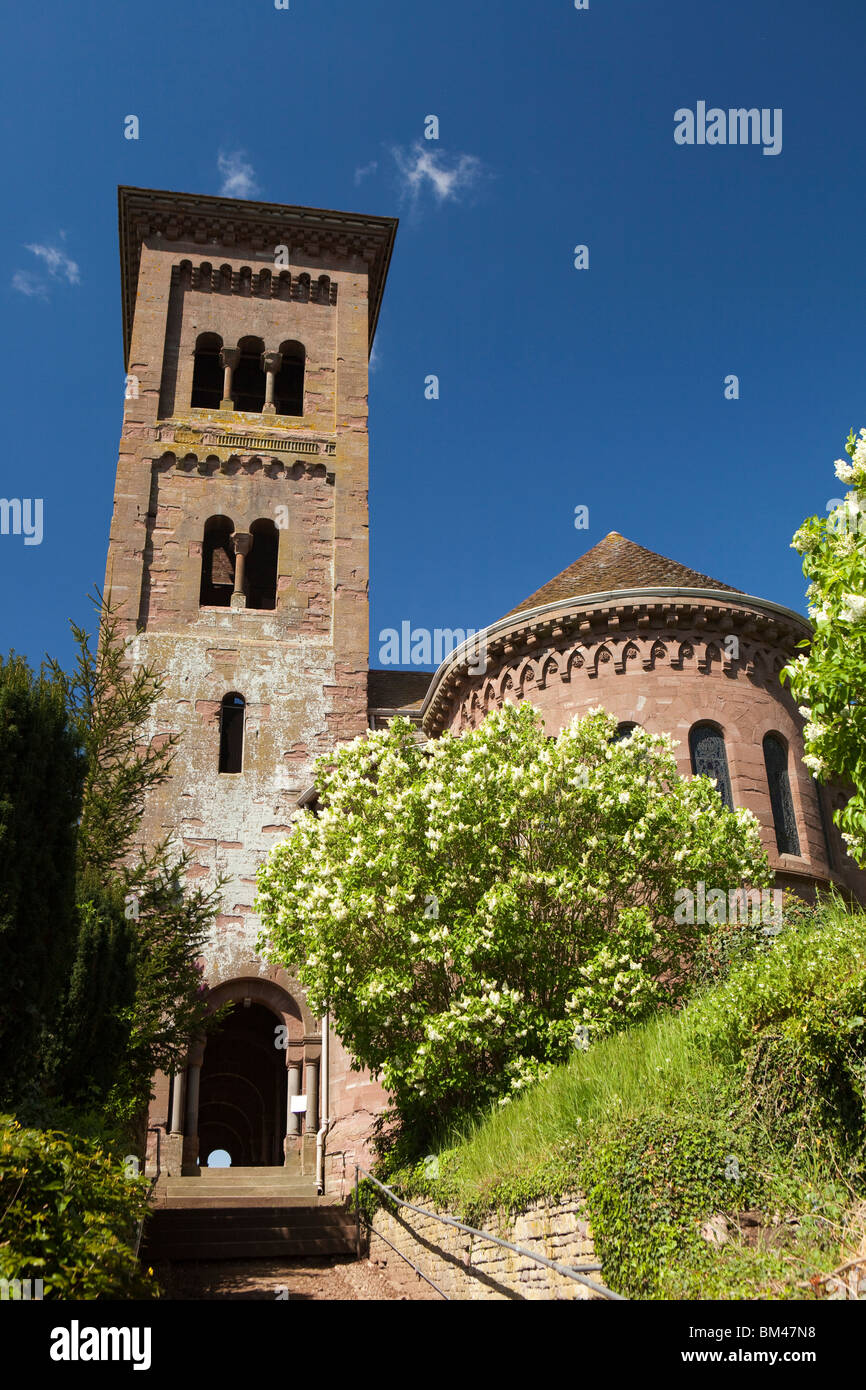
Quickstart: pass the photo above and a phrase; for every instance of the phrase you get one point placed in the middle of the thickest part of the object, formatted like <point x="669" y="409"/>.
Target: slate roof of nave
<point x="397" y="689"/>
<point x="617" y="563"/>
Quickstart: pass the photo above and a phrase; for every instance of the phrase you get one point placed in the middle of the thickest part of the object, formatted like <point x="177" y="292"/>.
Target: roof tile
<point x="617" y="563"/>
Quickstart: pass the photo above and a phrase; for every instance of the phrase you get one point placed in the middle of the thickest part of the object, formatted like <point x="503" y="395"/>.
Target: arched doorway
<point x="242" y="1103"/>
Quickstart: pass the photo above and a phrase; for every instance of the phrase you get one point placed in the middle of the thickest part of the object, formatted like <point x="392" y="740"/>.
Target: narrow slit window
<point x="232" y="733"/>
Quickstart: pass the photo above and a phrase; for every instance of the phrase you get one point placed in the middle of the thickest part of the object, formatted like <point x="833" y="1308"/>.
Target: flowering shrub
<point x="472" y="909"/>
<point x="831" y="680"/>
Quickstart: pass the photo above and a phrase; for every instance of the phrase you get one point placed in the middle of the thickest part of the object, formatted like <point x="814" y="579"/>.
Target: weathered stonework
<point x="207" y="265"/>
<point x="465" y="1267"/>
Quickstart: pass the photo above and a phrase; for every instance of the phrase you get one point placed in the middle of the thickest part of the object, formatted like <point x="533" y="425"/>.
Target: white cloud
<point x="375" y="357"/>
<point x="366" y="169"/>
<point x="27" y="283"/>
<point x="57" y="263"/>
<point x="423" y="168"/>
<point x="238" y="176"/>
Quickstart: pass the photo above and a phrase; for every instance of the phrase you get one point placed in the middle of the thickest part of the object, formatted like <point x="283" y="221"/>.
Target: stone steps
<point x="244" y="1214"/>
<point x="289" y="1170"/>
<point x="227" y="1186"/>
<point x="300" y="1187"/>
<point x="222" y="1233"/>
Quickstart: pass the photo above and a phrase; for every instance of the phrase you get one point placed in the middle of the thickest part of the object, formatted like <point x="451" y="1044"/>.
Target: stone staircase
<point x="244" y="1213"/>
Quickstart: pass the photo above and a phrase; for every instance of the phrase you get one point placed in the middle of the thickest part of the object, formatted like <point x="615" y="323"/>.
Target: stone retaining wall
<point x="466" y="1267"/>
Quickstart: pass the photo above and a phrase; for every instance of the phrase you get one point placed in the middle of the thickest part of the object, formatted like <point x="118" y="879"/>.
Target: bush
<point x="471" y="910"/>
<point x="70" y="1216"/>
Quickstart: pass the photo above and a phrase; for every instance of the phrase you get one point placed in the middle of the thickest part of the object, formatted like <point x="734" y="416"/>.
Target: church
<point x="239" y="555"/>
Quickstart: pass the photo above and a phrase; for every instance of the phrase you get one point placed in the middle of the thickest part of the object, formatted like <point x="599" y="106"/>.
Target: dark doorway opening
<point x="242" y="1105"/>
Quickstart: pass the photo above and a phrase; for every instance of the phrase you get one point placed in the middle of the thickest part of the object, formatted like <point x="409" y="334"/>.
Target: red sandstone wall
<point x="666" y="680"/>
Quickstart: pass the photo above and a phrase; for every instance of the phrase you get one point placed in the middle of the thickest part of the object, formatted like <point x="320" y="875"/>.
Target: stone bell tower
<point x="238" y="550"/>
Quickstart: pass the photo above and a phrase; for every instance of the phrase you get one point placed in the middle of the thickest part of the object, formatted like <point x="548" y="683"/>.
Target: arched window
<point x="624" y="730"/>
<point x="217" y="563"/>
<point x="709" y="759"/>
<point x="248" y="380"/>
<point x="261" y="565"/>
<point x="232" y="733"/>
<point x="207" y="376"/>
<point x="289" y="383"/>
<point x="781" y="801"/>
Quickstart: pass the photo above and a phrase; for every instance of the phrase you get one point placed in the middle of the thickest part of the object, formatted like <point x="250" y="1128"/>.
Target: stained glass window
<point x="709" y="759"/>
<point x="784" y="820"/>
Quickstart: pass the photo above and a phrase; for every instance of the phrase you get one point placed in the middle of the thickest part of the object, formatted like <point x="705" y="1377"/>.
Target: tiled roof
<point x="617" y="563"/>
<point x="397" y="689"/>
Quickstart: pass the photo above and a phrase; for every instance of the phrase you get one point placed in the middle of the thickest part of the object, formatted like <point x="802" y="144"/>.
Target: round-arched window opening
<point x="232" y="712"/>
<point x="710" y="759"/>
<point x="624" y="731"/>
<point x="248" y="380"/>
<point x="289" y="383"/>
<point x="219" y="1158"/>
<point x="781" y="802"/>
<point x="207" y="379"/>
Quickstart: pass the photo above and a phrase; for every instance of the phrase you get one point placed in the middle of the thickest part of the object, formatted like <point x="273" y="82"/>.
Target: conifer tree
<point x="135" y="997"/>
<point x="41" y="769"/>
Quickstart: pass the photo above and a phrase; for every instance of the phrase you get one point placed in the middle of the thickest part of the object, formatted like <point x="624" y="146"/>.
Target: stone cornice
<point x="198" y="221"/>
<point x="206" y="462"/>
<point x="619" y="611"/>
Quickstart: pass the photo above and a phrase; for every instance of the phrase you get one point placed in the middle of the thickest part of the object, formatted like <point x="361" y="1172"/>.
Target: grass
<point x="642" y="1122"/>
<point x="650" y="1070"/>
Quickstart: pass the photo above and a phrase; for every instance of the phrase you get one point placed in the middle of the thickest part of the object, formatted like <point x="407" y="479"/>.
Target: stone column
<point x="293" y="1120"/>
<point x="311" y="1086"/>
<point x="229" y="359"/>
<point x="271" y="363"/>
<point x="242" y="542"/>
<point x="193" y="1079"/>
<point x="177" y="1102"/>
<point x="172" y="1150"/>
<point x="190" y="1135"/>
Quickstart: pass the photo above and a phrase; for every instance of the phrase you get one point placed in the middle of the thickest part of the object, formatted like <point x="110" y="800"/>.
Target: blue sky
<point x="558" y="387"/>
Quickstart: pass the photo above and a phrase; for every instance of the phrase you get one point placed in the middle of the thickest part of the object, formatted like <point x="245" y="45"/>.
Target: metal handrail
<point x="151" y="1129"/>
<point x="417" y="1268"/>
<point x="578" y="1275"/>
